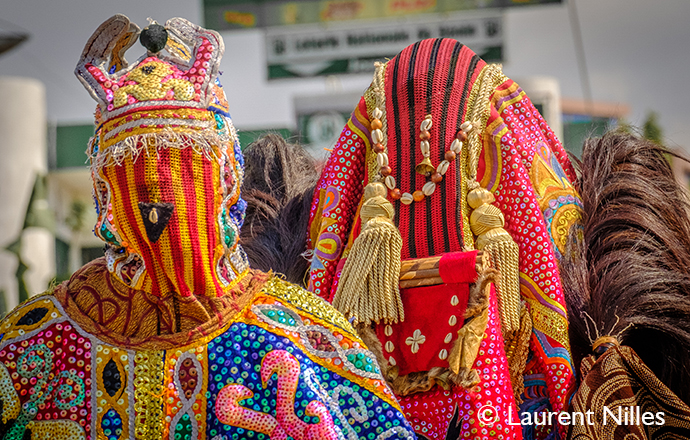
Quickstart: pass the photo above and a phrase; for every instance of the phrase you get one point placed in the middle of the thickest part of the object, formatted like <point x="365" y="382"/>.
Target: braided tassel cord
<point x="504" y="256"/>
<point x="368" y="287"/>
<point x="487" y="223"/>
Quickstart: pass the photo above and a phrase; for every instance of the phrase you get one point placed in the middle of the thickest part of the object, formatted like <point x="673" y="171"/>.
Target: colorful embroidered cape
<point x="286" y="366"/>
<point x="521" y="163"/>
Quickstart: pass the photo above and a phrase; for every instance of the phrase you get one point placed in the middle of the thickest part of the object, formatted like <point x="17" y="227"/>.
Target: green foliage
<point x="3" y="304"/>
<point x="651" y="128"/>
<point x="76" y="216"/>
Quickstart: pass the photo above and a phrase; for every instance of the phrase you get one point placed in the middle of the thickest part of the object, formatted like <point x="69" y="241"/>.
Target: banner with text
<point x="314" y="51"/>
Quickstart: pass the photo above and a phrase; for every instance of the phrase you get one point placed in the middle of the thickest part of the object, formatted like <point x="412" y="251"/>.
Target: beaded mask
<point x="165" y="160"/>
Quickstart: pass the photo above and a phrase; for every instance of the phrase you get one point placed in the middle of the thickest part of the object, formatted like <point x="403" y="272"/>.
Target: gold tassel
<point x="517" y="352"/>
<point x="368" y="287"/>
<point x="487" y="223"/>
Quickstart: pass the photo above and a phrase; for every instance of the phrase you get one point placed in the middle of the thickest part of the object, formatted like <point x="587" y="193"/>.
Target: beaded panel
<point x="185" y="398"/>
<point x="49" y="371"/>
<point x="147" y="389"/>
<point x="279" y="368"/>
<point x="112" y="398"/>
<point x="263" y="385"/>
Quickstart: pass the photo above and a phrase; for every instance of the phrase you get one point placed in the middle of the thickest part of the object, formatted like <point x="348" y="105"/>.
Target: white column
<point x="24" y="155"/>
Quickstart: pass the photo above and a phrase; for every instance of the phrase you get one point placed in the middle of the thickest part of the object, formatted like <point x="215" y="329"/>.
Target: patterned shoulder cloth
<point x="444" y="173"/>
<point x="171" y="335"/>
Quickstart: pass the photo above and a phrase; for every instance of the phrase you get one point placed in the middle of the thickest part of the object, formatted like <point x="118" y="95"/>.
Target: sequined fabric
<point x="287" y="364"/>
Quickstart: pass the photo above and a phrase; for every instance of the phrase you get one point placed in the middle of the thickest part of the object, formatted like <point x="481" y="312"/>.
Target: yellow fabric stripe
<point x="525" y="279"/>
<point x="156" y="121"/>
<point x="506" y="92"/>
<point x="201" y="216"/>
<point x="152" y="179"/>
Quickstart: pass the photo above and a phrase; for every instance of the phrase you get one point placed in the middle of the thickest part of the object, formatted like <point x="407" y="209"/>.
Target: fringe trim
<point x="368" y="286"/>
<point x="505" y="256"/>
<point x="132" y="146"/>
<point x="517" y="352"/>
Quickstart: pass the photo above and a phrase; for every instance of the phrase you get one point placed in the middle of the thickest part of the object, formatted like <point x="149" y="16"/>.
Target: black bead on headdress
<point x="154" y="37"/>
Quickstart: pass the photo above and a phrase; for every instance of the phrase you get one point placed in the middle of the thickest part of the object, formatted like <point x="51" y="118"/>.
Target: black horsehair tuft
<point x="278" y="187"/>
<point x="627" y="270"/>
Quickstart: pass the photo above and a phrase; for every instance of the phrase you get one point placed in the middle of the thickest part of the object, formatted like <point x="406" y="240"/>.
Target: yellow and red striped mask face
<point x="170" y="209"/>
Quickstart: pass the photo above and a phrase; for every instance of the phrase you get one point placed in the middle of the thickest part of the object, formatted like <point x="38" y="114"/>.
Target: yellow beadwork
<point x="120" y="401"/>
<point x="306" y="301"/>
<point x="150" y="84"/>
<point x="8" y="396"/>
<point x="10" y="330"/>
<point x="55" y="430"/>
<point x="148" y="394"/>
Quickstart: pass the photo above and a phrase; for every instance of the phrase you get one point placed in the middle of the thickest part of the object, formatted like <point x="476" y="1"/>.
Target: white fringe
<point x="132" y="146"/>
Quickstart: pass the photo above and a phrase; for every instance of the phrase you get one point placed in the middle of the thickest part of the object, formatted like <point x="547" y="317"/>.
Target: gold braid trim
<point x="486" y="221"/>
<point x="478" y="113"/>
<point x="375" y="97"/>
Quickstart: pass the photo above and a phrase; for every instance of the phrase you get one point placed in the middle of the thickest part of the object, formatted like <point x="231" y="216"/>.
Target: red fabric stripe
<point x="439" y="94"/>
<point x="187" y="182"/>
<point x="403" y="142"/>
<point x="132" y="213"/>
<point x="455" y="117"/>
<point x="417" y="113"/>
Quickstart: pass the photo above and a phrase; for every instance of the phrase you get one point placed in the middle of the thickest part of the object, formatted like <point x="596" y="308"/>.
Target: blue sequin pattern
<point x="237" y="356"/>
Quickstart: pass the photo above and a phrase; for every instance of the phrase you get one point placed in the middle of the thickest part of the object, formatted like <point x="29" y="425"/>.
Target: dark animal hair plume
<point x="627" y="272"/>
<point x="278" y="188"/>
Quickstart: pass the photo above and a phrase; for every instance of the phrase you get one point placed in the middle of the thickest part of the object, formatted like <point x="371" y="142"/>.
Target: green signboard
<point x="353" y="47"/>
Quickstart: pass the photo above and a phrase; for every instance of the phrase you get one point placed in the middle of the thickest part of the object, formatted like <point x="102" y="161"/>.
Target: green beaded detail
<point x="183" y="429"/>
<point x="363" y="362"/>
<point x="108" y="236"/>
<point x="280" y="316"/>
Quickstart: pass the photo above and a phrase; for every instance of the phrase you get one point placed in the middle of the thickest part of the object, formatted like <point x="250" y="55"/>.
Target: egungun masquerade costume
<point x="445" y="156"/>
<point x="172" y="335"/>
